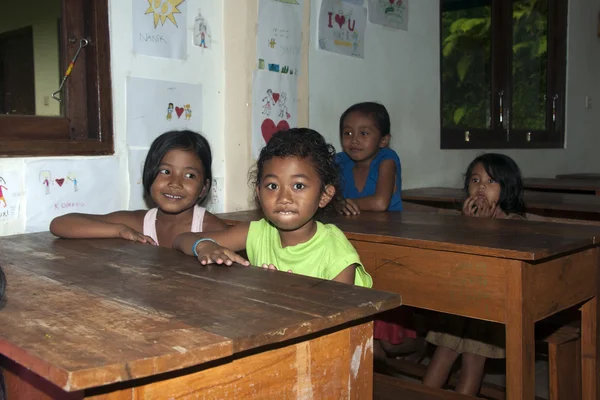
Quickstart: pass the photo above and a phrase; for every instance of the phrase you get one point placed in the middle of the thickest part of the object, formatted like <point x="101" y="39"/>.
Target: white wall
<point x="204" y="68"/>
<point x="401" y="70"/>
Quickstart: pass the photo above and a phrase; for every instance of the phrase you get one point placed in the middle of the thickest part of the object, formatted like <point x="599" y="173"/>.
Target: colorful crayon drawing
<point x="188" y="112"/>
<point x="73" y="178"/>
<point x="2" y="199"/>
<point x="45" y="178"/>
<point x="163" y="10"/>
<point x="169" y="111"/>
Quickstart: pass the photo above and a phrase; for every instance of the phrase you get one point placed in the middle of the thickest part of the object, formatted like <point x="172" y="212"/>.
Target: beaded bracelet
<point x="197" y="242"/>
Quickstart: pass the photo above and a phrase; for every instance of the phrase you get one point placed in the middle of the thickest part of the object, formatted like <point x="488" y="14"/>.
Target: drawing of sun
<point x="163" y="10"/>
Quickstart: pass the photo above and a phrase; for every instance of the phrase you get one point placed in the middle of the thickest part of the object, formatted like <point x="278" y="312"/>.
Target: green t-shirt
<point x="324" y="256"/>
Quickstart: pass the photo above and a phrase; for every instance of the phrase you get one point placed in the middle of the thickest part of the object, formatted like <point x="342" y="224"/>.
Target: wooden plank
<point x="238" y="308"/>
<point x="585" y="175"/>
<point x="389" y="388"/>
<point x="562" y="205"/>
<point x="520" y="345"/>
<point x="553" y="280"/>
<point x="77" y="339"/>
<point x="334" y="366"/>
<point x="473" y="286"/>
<point x="513" y="239"/>
<point x="591" y="186"/>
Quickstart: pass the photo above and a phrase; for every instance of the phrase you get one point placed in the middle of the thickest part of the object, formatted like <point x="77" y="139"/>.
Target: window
<point x="503" y="66"/>
<point x="38" y="40"/>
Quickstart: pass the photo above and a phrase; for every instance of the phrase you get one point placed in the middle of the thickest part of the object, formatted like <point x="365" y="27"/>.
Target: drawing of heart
<point x="276" y="97"/>
<point x="179" y="111"/>
<point x="60" y="181"/>
<point x="268" y="128"/>
<point x="340" y="19"/>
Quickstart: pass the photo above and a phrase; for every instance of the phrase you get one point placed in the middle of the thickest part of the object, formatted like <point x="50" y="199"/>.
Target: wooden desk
<point x="110" y="319"/>
<point x="507" y="271"/>
<point x="561" y="205"/>
<point x="583" y="186"/>
<point x="588" y="175"/>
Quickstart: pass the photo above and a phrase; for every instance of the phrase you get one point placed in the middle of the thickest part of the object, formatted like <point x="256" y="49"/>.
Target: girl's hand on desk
<point x="350" y="208"/>
<point x="129" y="234"/>
<point x="211" y="253"/>
<point x="271" y="266"/>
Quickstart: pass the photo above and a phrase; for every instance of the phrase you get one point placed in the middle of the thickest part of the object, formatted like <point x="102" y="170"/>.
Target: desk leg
<point x="590" y="341"/>
<point x="520" y="344"/>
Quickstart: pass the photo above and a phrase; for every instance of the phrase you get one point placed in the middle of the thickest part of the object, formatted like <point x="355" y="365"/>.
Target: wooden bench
<point x="390" y="388"/>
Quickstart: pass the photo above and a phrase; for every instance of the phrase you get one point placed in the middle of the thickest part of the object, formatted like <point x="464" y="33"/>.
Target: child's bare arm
<point x="222" y="252"/>
<point x="347" y="275"/>
<point x="120" y="224"/>
<point x="386" y="183"/>
<point x="212" y="223"/>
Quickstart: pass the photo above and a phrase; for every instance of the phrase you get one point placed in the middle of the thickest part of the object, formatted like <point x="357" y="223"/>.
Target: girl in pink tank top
<point x="177" y="177"/>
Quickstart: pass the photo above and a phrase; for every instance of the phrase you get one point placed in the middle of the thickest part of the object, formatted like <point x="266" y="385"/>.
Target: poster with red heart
<point x="156" y="106"/>
<point x="274" y="106"/>
<point x="341" y="28"/>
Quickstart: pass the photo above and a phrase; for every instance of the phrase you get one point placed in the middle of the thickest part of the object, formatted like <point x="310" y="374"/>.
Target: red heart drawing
<point x="179" y="111"/>
<point x="276" y="97"/>
<point x="60" y="181"/>
<point x="340" y="19"/>
<point x="268" y="128"/>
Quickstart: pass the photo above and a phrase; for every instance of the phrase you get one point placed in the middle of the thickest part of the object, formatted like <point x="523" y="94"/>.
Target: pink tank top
<point x="150" y="222"/>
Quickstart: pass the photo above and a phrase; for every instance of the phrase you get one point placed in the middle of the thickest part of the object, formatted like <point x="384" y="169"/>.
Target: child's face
<point x="290" y="193"/>
<point x="481" y="185"/>
<point x="361" y="139"/>
<point x="180" y="181"/>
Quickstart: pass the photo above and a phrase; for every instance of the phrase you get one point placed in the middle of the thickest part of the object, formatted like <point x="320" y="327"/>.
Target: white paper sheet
<point x="274" y="106"/>
<point x="155" y="107"/>
<point x="135" y="161"/>
<point x="11" y="191"/>
<point x="390" y="13"/>
<point x="279" y="36"/>
<point x="342" y="28"/>
<point x="159" y="28"/>
<point x="57" y="187"/>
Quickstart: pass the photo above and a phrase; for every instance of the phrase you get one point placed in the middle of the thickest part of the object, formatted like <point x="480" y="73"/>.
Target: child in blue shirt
<point x="371" y="172"/>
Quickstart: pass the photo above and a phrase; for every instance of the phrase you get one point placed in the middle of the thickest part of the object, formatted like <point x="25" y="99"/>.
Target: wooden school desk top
<point x="563" y="185"/>
<point x="85" y="313"/>
<point x="521" y="240"/>
<point x="576" y="203"/>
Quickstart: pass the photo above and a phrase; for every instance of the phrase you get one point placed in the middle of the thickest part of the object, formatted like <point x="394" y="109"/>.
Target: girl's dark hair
<point x="506" y="172"/>
<point x="303" y="143"/>
<point x="185" y="140"/>
<point x="374" y="110"/>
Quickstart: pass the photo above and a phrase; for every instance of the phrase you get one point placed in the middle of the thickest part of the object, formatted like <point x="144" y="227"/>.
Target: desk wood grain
<point x="86" y="313"/>
<point x="589" y="186"/>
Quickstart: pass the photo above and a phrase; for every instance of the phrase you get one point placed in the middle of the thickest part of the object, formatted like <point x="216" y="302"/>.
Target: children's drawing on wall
<point x="155" y="107"/>
<point x="96" y="195"/>
<point x="341" y="28"/>
<point x="274" y="106"/>
<point x="159" y="28"/>
<point x="135" y="159"/>
<point x="2" y="188"/>
<point x="391" y="13"/>
<point x="202" y="32"/>
<point x="46" y="180"/>
<point x="72" y="176"/>
<point x="179" y="111"/>
<point x="279" y="36"/>
<point x="10" y="195"/>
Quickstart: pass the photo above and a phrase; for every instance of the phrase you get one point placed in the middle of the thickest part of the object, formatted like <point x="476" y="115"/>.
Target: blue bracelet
<point x="197" y="242"/>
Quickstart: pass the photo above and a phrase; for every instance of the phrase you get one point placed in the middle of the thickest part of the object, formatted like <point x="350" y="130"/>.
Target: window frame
<point x="86" y="127"/>
<point x="497" y="137"/>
